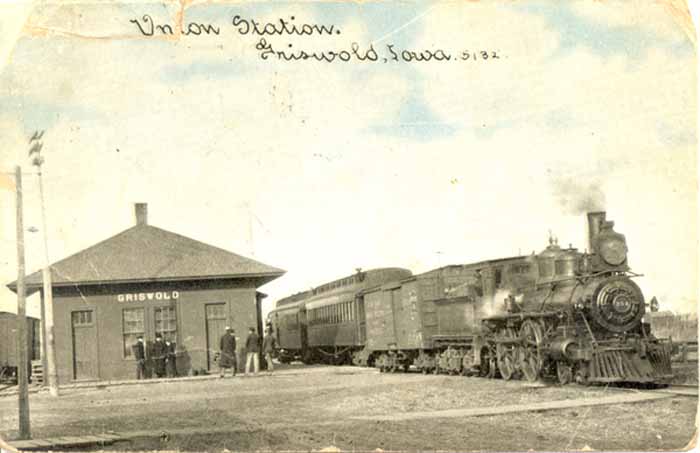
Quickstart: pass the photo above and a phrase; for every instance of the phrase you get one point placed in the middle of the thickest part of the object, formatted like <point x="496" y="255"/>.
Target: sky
<point x="321" y="168"/>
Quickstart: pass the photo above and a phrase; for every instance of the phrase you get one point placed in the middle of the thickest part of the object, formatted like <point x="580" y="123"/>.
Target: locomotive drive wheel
<point x="506" y="355"/>
<point x="530" y="350"/>
<point x="565" y="373"/>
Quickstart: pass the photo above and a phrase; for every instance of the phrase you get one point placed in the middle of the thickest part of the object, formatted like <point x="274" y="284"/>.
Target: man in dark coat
<point x="269" y="345"/>
<point x="227" y="354"/>
<point x="159" y="353"/>
<point x="170" y="357"/>
<point x="252" y="349"/>
<point x="140" y="356"/>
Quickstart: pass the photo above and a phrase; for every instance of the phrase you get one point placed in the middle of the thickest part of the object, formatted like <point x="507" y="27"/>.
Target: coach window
<point x="133" y="327"/>
<point x="498" y="277"/>
<point x="166" y="323"/>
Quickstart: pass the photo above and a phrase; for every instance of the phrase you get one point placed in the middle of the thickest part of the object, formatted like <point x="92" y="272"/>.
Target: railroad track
<point x="683" y="390"/>
<point x="688" y="390"/>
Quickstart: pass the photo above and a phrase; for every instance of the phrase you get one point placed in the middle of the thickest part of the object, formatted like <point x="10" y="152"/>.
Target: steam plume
<point x="578" y="195"/>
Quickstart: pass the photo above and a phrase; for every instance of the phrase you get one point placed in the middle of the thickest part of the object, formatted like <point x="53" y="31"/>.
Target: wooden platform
<point x="57" y="443"/>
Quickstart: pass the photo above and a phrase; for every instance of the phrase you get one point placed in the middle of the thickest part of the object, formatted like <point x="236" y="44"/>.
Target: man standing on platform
<point x="269" y="349"/>
<point x="159" y="353"/>
<point x="140" y="356"/>
<point x="227" y="354"/>
<point x="252" y="349"/>
<point x="170" y="359"/>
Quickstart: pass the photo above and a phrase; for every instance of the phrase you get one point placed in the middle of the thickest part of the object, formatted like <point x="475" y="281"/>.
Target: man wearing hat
<point x="252" y="349"/>
<point x="159" y="352"/>
<point x="139" y="353"/>
<point x="227" y="356"/>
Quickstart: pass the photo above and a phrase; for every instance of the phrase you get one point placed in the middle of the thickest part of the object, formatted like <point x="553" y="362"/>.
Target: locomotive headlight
<point x="613" y="250"/>
<point x="579" y="305"/>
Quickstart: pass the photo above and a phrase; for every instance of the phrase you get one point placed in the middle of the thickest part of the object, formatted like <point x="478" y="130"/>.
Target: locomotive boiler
<point x="560" y="314"/>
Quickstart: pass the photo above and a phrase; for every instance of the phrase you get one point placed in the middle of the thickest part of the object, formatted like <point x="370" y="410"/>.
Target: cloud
<point x="414" y="121"/>
<point x="609" y="30"/>
<point x="364" y="166"/>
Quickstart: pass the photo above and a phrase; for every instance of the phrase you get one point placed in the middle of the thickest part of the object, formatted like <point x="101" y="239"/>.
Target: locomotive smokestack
<point x="595" y="221"/>
<point x="141" y="213"/>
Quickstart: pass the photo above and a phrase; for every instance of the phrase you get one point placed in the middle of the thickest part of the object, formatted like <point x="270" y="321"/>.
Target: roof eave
<point x="267" y="276"/>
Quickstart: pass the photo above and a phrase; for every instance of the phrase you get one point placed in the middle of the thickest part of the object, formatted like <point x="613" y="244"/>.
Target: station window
<point x="166" y="322"/>
<point x="133" y="327"/>
<point x="82" y="318"/>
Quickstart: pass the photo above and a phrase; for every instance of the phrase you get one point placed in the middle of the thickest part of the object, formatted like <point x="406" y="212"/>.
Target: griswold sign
<point x="142" y="297"/>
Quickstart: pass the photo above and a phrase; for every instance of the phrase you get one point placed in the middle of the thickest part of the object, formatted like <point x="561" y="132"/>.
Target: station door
<point x="215" y="315"/>
<point x="84" y="345"/>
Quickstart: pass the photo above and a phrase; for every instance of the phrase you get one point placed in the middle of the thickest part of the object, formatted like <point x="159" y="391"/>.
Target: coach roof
<point x="146" y="253"/>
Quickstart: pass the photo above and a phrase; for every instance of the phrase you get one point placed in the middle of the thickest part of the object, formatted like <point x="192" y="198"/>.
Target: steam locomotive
<point x="561" y="314"/>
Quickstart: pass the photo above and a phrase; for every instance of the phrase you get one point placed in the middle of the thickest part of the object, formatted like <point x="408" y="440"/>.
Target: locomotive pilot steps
<point x="561" y="314"/>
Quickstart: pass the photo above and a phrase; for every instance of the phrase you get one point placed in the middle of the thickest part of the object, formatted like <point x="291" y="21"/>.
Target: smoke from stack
<point x="578" y="195"/>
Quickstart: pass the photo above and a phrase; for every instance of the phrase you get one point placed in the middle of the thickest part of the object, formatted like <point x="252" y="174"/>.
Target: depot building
<point x="146" y="281"/>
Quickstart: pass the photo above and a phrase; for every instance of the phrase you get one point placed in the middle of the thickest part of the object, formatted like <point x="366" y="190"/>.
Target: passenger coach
<point x="326" y="324"/>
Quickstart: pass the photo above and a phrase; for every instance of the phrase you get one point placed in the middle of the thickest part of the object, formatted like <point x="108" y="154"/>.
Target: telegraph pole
<point x="23" y="359"/>
<point x="50" y="374"/>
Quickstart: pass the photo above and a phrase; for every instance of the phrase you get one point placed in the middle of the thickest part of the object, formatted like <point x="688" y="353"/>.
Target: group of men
<point x="163" y="354"/>
<point x="228" y="357"/>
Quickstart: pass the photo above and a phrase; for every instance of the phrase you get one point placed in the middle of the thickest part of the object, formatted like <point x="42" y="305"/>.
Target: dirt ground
<point x="312" y="408"/>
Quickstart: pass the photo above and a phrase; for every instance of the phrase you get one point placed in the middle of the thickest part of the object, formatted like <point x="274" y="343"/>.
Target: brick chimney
<point x="141" y="213"/>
